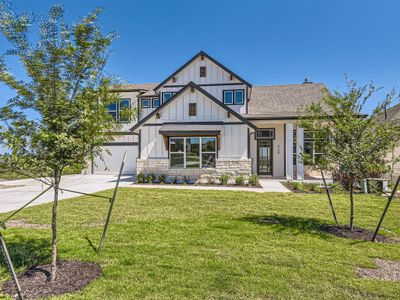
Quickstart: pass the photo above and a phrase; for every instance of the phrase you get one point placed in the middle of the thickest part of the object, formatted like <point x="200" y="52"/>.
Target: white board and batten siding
<point x="233" y="142"/>
<point x="113" y="151"/>
<point x="215" y="75"/>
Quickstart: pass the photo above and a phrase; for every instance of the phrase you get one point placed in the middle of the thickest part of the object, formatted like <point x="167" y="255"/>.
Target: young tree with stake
<point x="354" y="145"/>
<point x="58" y="117"/>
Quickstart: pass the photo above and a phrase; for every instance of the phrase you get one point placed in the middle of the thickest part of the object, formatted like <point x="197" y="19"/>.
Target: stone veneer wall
<point x="159" y="166"/>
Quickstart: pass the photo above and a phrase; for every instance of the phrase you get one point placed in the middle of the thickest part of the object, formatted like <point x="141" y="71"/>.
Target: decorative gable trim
<point x="194" y="86"/>
<point x="202" y="54"/>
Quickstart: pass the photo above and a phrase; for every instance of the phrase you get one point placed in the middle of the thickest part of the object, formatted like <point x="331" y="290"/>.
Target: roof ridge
<point x="291" y="84"/>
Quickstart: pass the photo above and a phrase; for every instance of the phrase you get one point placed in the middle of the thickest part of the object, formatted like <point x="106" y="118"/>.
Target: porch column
<point x="299" y="153"/>
<point x="289" y="151"/>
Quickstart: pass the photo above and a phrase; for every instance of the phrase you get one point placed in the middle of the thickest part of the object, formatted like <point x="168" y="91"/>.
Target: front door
<point x="264" y="161"/>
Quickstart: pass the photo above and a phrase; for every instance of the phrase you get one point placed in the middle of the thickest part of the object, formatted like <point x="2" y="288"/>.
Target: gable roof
<point x="392" y="115"/>
<point x="134" y="87"/>
<point x="201" y="53"/>
<point x="205" y="93"/>
<point x="282" y="101"/>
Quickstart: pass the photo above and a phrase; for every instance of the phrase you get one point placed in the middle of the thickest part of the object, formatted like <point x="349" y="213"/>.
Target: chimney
<point x="306" y="81"/>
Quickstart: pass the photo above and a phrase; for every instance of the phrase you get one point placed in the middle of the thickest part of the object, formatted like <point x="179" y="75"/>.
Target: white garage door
<point x="112" y="163"/>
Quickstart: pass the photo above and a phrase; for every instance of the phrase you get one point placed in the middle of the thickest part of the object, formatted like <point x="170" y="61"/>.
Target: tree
<point x="354" y="145"/>
<point x="58" y="117"/>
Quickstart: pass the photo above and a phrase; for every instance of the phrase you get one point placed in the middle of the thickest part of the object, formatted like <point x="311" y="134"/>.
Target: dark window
<point x="202" y="71"/>
<point x="192" y="109"/>
<point x="145" y="103"/>
<point x="156" y="102"/>
<point x="265" y="133"/>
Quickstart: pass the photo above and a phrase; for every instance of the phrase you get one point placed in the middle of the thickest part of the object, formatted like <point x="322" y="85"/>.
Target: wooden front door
<point x="264" y="157"/>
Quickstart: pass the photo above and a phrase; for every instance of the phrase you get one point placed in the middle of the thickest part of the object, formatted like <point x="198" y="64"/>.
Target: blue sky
<point x="265" y="42"/>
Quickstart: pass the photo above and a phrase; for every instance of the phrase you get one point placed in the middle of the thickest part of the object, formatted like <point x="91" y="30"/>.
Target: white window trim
<point x="184" y="151"/>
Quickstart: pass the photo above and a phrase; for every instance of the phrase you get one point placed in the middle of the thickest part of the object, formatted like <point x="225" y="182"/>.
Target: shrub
<point x="314" y="187"/>
<point x="150" y="178"/>
<point x="298" y="186"/>
<point x="224" y="179"/>
<point x="162" y="178"/>
<point x="140" y="178"/>
<point x="253" y="179"/>
<point x="239" y="180"/>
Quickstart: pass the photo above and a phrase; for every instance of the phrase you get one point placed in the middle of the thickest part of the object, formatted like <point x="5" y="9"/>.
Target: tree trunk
<point x="351" y="205"/>
<point x="57" y="178"/>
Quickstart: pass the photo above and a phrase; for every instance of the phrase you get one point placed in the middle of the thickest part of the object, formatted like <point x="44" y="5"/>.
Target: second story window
<point x="202" y="71"/>
<point x="156" y="102"/>
<point x="145" y="103"/>
<point x="192" y="110"/>
<point x="228" y="97"/>
<point x="233" y="97"/>
<point x="120" y="111"/>
<point x="166" y="96"/>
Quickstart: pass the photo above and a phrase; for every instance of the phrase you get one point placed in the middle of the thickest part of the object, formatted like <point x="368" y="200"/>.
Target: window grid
<point x="115" y="110"/>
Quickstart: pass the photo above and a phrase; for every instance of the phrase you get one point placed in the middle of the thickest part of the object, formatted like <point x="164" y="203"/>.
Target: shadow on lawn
<point x="291" y="224"/>
<point x="26" y="253"/>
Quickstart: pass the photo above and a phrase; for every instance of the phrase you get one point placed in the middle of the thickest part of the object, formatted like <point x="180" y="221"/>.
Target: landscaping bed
<point x="203" y="180"/>
<point x="72" y="276"/>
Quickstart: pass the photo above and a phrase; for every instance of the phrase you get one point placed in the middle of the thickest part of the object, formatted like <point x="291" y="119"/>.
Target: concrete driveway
<point x="15" y="197"/>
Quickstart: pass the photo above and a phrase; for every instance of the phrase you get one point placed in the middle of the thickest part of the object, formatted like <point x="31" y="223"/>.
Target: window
<point x="192" y="152"/>
<point x="166" y="96"/>
<point x="239" y="97"/>
<point x="268" y="133"/>
<point x="120" y="111"/>
<point x="233" y="97"/>
<point x="124" y="110"/>
<point x="156" y="102"/>
<point x="112" y="110"/>
<point x="228" y="97"/>
<point x="145" y="103"/>
<point x="192" y="109"/>
<point x="202" y="71"/>
<point x="310" y="148"/>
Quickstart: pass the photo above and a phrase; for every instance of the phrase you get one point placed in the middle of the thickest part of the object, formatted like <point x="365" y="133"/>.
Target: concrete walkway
<point x="15" y="197"/>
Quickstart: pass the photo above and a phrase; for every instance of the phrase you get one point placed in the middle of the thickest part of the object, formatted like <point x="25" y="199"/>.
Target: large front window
<point x="192" y="152"/>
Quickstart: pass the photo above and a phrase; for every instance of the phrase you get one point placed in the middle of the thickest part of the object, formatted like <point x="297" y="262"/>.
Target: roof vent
<point x="306" y="81"/>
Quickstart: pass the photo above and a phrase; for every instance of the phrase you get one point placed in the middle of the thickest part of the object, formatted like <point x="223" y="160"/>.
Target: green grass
<point x="173" y="244"/>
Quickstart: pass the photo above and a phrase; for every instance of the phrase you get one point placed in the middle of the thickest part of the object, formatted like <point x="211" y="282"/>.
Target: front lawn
<point x="171" y="244"/>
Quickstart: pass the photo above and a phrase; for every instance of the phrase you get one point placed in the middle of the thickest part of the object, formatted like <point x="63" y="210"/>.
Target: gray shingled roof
<point x="283" y="100"/>
<point x="137" y="86"/>
<point x="392" y="115"/>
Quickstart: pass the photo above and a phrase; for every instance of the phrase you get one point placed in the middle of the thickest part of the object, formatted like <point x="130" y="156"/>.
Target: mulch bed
<point x="387" y="270"/>
<point x="356" y="234"/>
<point x="72" y="276"/>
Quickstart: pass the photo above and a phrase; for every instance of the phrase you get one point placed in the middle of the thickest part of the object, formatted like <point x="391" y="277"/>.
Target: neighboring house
<point x="206" y="119"/>
<point x="393" y="115"/>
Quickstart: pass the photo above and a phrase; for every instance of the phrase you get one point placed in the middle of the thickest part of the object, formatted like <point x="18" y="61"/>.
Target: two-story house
<point x="206" y="119"/>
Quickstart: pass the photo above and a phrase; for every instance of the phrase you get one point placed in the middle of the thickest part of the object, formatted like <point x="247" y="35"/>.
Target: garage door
<point x="113" y="158"/>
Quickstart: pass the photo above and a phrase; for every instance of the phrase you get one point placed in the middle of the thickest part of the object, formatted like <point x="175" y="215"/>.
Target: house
<point x="393" y="115"/>
<point x="206" y="119"/>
